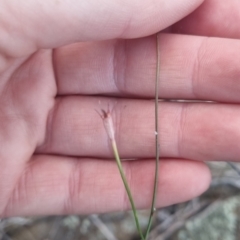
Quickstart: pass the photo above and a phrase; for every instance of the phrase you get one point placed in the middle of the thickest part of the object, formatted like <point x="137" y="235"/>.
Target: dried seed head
<point x="108" y="124"/>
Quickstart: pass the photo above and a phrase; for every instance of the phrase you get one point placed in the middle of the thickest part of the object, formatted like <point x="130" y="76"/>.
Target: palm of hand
<point x="28" y="90"/>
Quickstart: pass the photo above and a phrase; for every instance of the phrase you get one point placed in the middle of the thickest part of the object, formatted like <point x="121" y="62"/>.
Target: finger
<point x="55" y="185"/>
<point x="212" y="18"/>
<point x="190" y="68"/>
<point x="199" y="131"/>
<point x="37" y="24"/>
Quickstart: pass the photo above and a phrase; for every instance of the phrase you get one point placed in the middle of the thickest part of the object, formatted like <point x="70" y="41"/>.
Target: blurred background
<point x="212" y="216"/>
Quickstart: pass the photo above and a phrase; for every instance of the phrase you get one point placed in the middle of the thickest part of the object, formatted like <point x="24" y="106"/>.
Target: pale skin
<point x="55" y="156"/>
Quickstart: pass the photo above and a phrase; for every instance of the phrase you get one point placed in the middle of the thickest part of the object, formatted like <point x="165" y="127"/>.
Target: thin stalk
<point x="120" y="168"/>
<point x="108" y="124"/>
<point x="153" y="209"/>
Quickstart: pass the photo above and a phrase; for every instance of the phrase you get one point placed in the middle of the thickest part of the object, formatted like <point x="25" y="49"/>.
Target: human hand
<point x="54" y="149"/>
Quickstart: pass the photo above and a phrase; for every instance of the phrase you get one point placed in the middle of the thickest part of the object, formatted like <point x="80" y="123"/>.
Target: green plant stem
<point x="119" y="164"/>
<point x="153" y="209"/>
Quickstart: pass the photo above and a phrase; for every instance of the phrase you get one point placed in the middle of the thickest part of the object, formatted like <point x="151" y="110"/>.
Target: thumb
<point x="26" y="26"/>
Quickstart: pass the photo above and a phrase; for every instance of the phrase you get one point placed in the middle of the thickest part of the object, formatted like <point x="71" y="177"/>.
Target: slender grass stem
<point x="119" y="164"/>
<point x="108" y="124"/>
<point x="153" y="209"/>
